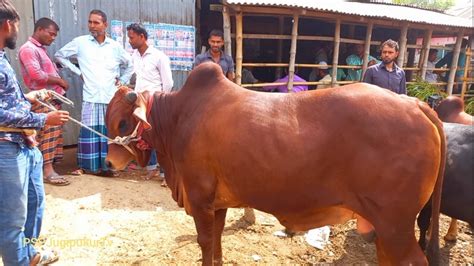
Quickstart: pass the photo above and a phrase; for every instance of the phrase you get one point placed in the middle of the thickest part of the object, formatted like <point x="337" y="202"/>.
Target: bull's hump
<point x="205" y="76"/>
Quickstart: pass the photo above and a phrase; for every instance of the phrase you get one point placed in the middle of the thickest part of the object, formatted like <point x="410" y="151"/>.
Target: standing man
<point x="104" y="65"/>
<point x="430" y="75"/>
<point x="21" y="176"/>
<point x="387" y="74"/>
<point x="216" y="55"/>
<point x="153" y="73"/>
<point x="40" y="72"/>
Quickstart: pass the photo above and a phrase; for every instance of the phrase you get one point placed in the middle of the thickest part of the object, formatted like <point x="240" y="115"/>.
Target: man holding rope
<point x="21" y="176"/>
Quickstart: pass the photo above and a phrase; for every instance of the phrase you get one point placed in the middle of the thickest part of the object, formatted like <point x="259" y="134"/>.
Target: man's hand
<point x="64" y="84"/>
<point x="57" y="118"/>
<point x="34" y="96"/>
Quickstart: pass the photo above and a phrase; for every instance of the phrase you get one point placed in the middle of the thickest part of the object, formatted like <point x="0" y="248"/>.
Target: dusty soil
<point x="132" y="221"/>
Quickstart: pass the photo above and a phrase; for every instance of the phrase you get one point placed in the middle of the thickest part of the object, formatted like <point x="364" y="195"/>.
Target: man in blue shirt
<point x="104" y="64"/>
<point x="21" y="174"/>
<point x="387" y="74"/>
<point x="216" y="55"/>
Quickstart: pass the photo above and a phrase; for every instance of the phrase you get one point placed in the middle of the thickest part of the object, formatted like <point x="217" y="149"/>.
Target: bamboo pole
<point x="403" y="45"/>
<point x="294" y="35"/>
<point x="227" y="31"/>
<point x="335" y="58"/>
<point x="281" y="21"/>
<point x="466" y="72"/>
<point x="426" y="51"/>
<point x="454" y="64"/>
<point x="238" y="48"/>
<point x="368" y="38"/>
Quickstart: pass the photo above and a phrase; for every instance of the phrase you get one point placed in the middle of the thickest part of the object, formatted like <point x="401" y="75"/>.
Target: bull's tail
<point x="433" y="245"/>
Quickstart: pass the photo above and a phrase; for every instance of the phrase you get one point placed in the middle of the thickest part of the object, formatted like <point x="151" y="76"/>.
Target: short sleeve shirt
<point x="226" y="62"/>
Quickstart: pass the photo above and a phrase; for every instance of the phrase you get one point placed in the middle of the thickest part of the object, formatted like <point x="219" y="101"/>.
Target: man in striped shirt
<point x="40" y="72"/>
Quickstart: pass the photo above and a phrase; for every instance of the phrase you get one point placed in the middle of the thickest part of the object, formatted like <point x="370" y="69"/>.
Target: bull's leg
<point x="204" y="221"/>
<point x="219" y="222"/>
<point x="423" y="222"/>
<point x="452" y="233"/>
<point x="398" y="244"/>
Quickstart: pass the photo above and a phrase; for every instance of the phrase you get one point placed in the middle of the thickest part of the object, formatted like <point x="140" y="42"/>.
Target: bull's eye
<point x="123" y="127"/>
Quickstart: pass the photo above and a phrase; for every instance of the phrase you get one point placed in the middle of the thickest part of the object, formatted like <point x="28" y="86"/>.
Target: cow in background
<point x="310" y="159"/>
<point x="457" y="198"/>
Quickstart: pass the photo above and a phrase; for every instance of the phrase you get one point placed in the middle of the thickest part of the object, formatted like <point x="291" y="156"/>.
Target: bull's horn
<point x="131" y="97"/>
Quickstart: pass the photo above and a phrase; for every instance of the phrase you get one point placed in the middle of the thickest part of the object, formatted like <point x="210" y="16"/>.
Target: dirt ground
<point x="132" y="221"/>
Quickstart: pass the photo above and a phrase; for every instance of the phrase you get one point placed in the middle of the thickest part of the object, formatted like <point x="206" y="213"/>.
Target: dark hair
<point x="138" y="29"/>
<point x="433" y="51"/>
<point x="464" y="43"/>
<point x="390" y="43"/>
<point x="44" y="23"/>
<point x="217" y="33"/>
<point x="100" y="13"/>
<point x="8" y="11"/>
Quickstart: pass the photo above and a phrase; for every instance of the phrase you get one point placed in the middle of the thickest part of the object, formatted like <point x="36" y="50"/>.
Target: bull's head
<point x="126" y="109"/>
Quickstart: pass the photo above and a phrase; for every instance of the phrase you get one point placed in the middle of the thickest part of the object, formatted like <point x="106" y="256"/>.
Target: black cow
<point x="457" y="198"/>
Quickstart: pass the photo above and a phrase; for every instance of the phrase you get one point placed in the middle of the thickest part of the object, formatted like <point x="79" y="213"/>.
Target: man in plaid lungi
<point x="104" y="64"/>
<point x="40" y="72"/>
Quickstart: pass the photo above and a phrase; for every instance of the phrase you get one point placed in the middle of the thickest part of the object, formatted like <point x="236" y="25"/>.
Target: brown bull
<point x="310" y="159"/>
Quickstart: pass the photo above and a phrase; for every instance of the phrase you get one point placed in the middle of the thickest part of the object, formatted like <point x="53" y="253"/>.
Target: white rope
<point x="124" y="141"/>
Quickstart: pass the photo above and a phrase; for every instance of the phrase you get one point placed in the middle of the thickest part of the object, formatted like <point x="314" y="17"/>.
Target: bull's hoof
<point x="369" y="237"/>
<point x="450" y="237"/>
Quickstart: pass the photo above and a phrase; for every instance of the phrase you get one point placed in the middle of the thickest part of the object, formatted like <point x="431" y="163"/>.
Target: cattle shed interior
<point x="272" y="39"/>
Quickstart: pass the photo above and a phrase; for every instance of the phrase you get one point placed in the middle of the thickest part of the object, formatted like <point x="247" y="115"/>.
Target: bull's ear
<point x="140" y="111"/>
<point x="131" y="97"/>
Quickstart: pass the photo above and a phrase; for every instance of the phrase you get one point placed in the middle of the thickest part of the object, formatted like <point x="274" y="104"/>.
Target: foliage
<point x="423" y="90"/>
<point x="469" y="106"/>
<point x="441" y="5"/>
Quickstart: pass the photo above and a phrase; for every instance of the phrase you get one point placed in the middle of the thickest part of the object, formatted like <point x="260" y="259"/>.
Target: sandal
<point x="46" y="256"/>
<point x="56" y="180"/>
<point x="77" y="172"/>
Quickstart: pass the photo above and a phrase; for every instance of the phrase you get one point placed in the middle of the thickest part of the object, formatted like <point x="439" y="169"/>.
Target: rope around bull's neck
<point x="124" y="141"/>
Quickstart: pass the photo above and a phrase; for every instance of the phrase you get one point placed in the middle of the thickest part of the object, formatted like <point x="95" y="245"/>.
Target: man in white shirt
<point x="153" y="72"/>
<point x="104" y="65"/>
<point x="430" y="75"/>
<point x="321" y="74"/>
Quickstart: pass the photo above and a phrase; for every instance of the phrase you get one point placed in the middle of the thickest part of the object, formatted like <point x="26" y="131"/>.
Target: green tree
<point x="441" y="5"/>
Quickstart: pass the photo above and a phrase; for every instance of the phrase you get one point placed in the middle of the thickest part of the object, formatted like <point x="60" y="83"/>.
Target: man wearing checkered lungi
<point x="103" y="64"/>
<point x="40" y="72"/>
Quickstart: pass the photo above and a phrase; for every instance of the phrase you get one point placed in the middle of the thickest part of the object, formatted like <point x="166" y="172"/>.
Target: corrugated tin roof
<point x="392" y="12"/>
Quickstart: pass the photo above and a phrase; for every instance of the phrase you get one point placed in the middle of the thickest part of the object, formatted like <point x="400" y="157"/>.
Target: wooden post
<point x="454" y="64"/>
<point x="335" y="57"/>
<point x="294" y="35"/>
<point x="466" y="71"/>
<point x="238" y="48"/>
<point x="227" y="31"/>
<point x="368" y="39"/>
<point x="426" y="51"/>
<point x="281" y="21"/>
<point x="403" y="45"/>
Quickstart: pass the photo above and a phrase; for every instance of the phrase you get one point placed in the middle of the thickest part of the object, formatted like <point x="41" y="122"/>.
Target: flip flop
<point x="77" y="172"/>
<point x="47" y="256"/>
<point x="56" y="180"/>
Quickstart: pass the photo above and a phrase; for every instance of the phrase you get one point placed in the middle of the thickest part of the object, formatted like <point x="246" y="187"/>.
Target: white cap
<point x="323" y="65"/>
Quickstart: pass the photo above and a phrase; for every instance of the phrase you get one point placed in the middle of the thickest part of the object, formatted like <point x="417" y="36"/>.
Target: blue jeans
<point x="153" y="163"/>
<point x="21" y="202"/>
